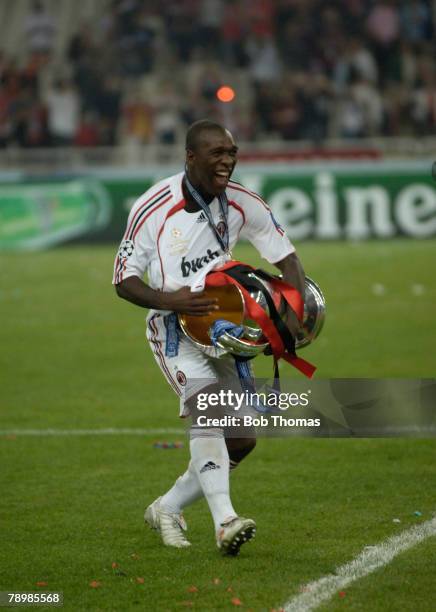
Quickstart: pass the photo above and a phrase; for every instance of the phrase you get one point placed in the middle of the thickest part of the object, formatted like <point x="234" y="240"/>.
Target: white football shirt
<point x="177" y="248"/>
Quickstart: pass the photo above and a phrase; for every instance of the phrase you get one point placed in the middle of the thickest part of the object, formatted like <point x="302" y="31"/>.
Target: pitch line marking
<point x="93" y="432"/>
<point x="368" y="561"/>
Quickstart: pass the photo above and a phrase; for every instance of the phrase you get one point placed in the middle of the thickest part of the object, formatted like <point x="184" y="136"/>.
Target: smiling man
<point x="210" y="157"/>
<point x="178" y="231"/>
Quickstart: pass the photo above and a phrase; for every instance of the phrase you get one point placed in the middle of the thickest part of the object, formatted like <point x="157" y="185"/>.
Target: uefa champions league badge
<point x="126" y="249"/>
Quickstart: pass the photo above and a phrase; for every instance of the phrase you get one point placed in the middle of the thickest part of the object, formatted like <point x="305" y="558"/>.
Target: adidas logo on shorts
<point x="210" y="465"/>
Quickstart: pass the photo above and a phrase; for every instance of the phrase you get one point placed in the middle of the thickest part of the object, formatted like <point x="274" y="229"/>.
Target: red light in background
<point x="225" y="94"/>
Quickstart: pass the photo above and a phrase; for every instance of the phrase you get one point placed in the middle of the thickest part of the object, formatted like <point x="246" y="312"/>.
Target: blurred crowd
<point x="145" y="69"/>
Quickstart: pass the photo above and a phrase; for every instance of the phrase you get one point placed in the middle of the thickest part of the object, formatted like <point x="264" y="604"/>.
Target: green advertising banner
<point x="355" y="205"/>
<point x="351" y="201"/>
<point x="39" y="215"/>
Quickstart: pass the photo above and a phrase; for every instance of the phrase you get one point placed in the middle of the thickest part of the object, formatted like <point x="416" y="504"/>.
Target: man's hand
<point x="292" y="322"/>
<point x="293" y="274"/>
<point x="184" y="301"/>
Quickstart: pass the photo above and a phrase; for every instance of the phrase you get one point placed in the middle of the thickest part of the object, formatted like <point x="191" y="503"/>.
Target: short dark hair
<point x="195" y="129"/>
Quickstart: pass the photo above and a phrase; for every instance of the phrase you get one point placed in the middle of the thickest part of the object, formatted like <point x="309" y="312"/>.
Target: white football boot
<point x="233" y="533"/>
<point x="170" y="526"/>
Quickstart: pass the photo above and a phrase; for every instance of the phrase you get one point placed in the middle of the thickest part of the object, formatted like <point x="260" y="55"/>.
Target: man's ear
<point x="190" y="155"/>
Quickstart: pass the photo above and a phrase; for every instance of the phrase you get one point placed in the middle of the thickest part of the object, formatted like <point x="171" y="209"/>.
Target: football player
<point x="179" y="230"/>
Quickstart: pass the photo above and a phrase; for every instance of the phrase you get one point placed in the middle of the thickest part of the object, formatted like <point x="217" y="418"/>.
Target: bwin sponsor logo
<point x="196" y="264"/>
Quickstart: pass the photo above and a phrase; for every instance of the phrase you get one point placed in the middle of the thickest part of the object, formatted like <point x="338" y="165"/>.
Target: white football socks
<point x="210" y="459"/>
<point x="185" y="491"/>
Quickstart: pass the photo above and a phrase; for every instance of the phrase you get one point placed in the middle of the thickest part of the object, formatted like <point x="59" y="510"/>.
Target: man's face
<point x="211" y="164"/>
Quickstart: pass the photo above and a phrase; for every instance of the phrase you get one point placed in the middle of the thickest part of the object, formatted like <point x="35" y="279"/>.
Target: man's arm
<point x="293" y="274"/>
<point x="292" y="271"/>
<point x="134" y="290"/>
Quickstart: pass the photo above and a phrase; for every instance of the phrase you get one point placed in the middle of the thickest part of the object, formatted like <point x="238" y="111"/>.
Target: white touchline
<point x="369" y="560"/>
<point x="92" y="432"/>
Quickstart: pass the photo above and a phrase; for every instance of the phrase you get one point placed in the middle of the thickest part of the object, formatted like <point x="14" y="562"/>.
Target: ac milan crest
<point x="181" y="378"/>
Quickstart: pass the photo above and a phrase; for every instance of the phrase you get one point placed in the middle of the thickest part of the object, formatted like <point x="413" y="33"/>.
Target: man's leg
<point x="210" y="459"/>
<point x="164" y="514"/>
<point x="238" y="449"/>
<point x="187" y="489"/>
<point x="186" y="362"/>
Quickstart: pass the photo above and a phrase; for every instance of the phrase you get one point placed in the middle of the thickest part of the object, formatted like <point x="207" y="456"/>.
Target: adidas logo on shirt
<point x="202" y="218"/>
<point x="210" y="465"/>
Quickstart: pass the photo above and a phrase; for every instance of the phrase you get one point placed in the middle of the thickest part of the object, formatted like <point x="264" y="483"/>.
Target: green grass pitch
<point x="73" y="356"/>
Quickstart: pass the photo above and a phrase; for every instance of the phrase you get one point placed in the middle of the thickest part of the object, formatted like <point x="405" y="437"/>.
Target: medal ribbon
<point x="224" y="207"/>
<point x="252" y="309"/>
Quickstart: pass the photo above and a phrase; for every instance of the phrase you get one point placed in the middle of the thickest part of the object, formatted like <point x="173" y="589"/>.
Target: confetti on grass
<point x="378" y="289"/>
<point x="95" y="584"/>
<point x="167" y="445"/>
<point x="418" y="289"/>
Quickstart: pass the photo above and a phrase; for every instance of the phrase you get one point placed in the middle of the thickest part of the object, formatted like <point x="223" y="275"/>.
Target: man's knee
<point x="198" y="404"/>
<point x="239" y="448"/>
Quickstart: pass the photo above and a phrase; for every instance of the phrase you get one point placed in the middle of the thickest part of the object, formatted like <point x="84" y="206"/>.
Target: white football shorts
<point x="181" y="360"/>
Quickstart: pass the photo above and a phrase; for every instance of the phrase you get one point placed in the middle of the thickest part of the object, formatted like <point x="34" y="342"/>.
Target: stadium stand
<point x="125" y="72"/>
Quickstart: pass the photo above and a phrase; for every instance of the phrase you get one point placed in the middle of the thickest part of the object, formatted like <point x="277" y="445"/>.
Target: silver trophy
<point x="253" y="342"/>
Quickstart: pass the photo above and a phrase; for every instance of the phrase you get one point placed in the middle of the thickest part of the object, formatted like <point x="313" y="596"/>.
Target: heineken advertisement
<point x="351" y="201"/>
